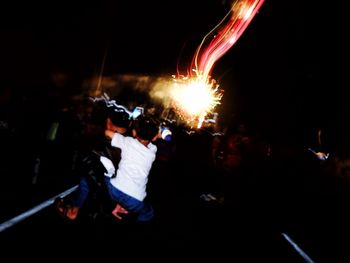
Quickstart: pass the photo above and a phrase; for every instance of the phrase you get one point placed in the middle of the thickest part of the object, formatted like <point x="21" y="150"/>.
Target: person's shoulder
<point x="127" y="141"/>
<point x="128" y="138"/>
<point x="152" y="147"/>
<point x="120" y="136"/>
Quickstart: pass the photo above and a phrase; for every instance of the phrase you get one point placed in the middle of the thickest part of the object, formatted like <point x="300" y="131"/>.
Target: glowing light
<point x="196" y="95"/>
<point x="194" y="98"/>
<point x="226" y="34"/>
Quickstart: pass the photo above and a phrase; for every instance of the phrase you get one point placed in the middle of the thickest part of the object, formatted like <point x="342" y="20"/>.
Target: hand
<point x="119" y="210"/>
<point x="108" y="165"/>
<point x="109" y="133"/>
<point x="320" y="155"/>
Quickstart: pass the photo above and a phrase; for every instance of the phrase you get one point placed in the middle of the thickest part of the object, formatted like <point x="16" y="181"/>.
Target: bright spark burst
<point x="194" y="98"/>
<point x="197" y="95"/>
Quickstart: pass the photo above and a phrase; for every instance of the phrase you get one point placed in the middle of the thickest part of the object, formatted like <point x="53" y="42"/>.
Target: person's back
<point x="137" y="157"/>
<point x="135" y="165"/>
<point x="128" y="188"/>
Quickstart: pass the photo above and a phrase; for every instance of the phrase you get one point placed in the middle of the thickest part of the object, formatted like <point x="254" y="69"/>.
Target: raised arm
<point x="109" y="133"/>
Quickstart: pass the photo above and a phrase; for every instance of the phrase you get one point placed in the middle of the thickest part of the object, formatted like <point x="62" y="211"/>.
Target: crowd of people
<point x="274" y="179"/>
<point x="125" y="178"/>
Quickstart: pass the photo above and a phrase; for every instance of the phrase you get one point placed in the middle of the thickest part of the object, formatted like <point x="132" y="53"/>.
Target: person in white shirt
<point x="128" y="187"/>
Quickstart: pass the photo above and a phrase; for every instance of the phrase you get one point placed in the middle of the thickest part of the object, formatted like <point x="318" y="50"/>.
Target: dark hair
<point x="119" y="118"/>
<point x="146" y="127"/>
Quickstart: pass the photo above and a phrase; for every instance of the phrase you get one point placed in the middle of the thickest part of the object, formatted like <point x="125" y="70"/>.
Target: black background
<point x="286" y="69"/>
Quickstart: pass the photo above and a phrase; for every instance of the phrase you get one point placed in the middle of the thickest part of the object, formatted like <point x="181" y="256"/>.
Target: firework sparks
<point x="194" y="98"/>
<point x="224" y="35"/>
<point x="196" y="95"/>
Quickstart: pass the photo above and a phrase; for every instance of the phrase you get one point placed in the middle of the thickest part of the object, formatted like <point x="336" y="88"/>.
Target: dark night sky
<point x="145" y="37"/>
<point x="287" y="75"/>
<point x="285" y="66"/>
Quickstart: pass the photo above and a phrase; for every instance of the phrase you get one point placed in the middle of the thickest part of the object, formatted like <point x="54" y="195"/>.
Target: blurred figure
<point x="97" y="157"/>
<point x="230" y="153"/>
<point x="127" y="185"/>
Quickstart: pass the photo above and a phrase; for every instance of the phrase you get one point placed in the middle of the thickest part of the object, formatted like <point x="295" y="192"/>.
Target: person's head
<point x="146" y="128"/>
<point x="118" y="120"/>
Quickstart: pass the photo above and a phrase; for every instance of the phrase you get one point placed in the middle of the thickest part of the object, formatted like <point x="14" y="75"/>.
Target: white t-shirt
<point x="134" y="166"/>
